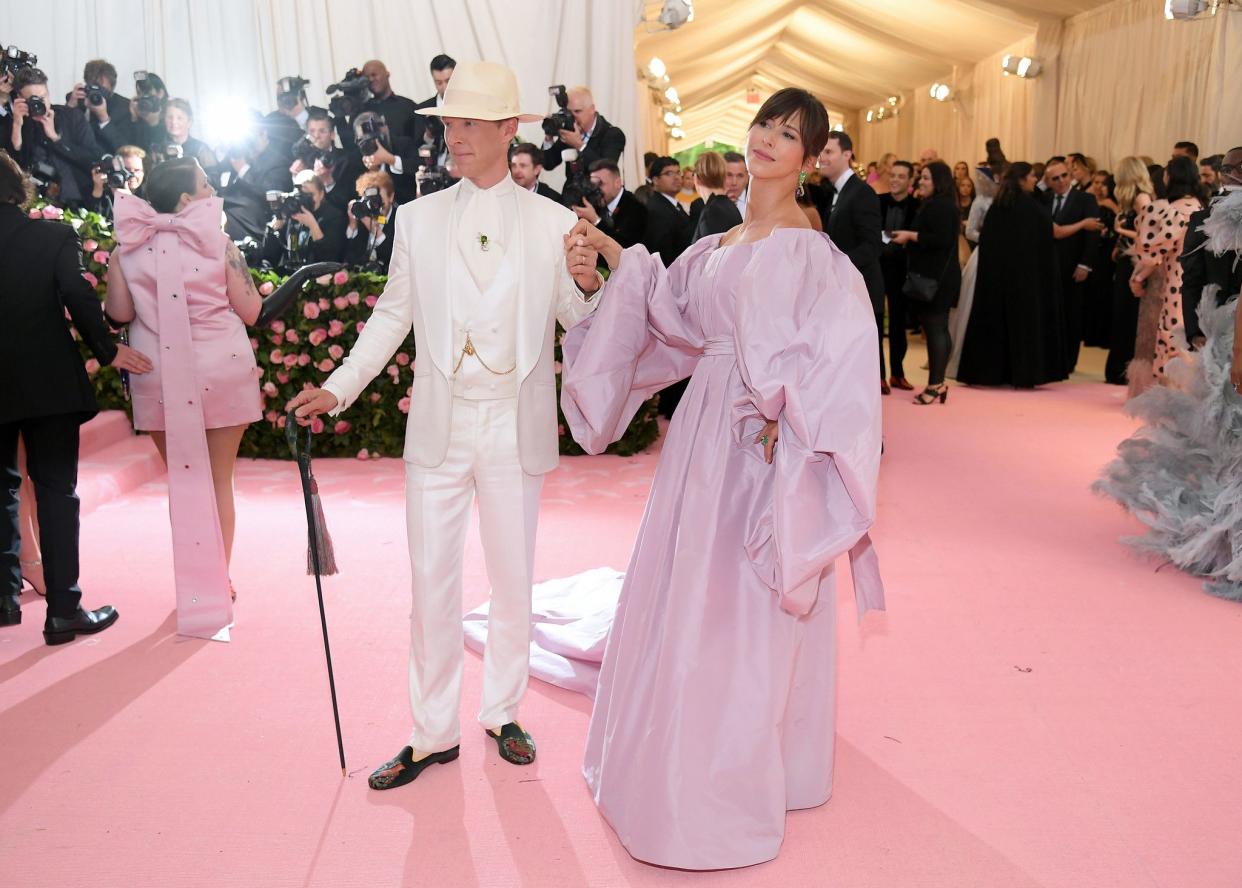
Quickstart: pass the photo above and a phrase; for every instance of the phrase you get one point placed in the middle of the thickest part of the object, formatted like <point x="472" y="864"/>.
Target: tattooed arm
<point x="242" y="294"/>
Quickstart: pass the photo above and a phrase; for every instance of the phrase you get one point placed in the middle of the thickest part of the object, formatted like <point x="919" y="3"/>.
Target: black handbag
<point x="921" y="288"/>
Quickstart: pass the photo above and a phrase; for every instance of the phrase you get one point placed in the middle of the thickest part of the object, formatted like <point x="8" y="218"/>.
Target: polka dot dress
<point x="1161" y="230"/>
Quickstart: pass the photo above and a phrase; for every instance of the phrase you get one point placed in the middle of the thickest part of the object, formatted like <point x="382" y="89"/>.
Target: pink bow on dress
<point x="197" y="226"/>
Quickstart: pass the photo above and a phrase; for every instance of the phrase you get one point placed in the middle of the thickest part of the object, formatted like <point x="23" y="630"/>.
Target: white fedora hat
<point x="481" y="91"/>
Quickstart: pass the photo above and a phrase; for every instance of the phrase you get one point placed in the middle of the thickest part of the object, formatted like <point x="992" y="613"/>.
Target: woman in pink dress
<point x="187" y="295"/>
<point x="715" y="708"/>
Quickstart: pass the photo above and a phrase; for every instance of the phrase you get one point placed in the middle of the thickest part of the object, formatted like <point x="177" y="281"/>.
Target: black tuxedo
<point x="398" y="112"/>
<point x="357" y="248"/>
<point x="607" y="142"/>
<point x="548" y="191"/>
<point x="853" y="224"/>
<point x="45" y="394"/>
<point x="1080" y="249"/>
<point x="111" y="136"/>
<point x="717" y="216"/>
<point x="668" y="228"/>
<point x="627" y="224"/>
<point x="72" y="156"/>
<point x="1201" y="267"/>
<point x="245" y="197"/>
<point x="896" y="215"/>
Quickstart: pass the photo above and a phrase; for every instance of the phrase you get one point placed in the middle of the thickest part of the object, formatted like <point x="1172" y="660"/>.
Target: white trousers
<point x="482" y="459"/>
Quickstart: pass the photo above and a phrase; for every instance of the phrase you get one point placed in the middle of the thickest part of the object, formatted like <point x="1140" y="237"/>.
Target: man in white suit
<point x="478" y="273"/>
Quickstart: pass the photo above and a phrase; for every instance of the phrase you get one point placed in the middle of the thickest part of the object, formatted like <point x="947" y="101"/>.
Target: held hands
<point x="309" y="403"/>
<point x="132" y="360"/>
<point x="587" y="235"/>
<point x="902" y="237"/>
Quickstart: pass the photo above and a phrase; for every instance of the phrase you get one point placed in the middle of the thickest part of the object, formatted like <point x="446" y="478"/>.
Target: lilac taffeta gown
<point x="715" y="707"/>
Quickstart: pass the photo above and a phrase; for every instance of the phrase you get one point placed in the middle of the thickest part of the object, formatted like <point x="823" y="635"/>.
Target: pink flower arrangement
<point x="35" y="214"/>
<point x="323" y="280"/>
<point x="101" y="256"/>
<point x="340" y="278"/>
<point x="90" y="279"/>
<point x="323" y="304"/>
<point x="311" y="310"/>
<point x="341" y="427"/>
<point x="371" y="300"/>
<point x="276" y="339"/>
<point x="276" y="356"/>
<point x="290" y="361"/>
<point x="266" y="288"/>
<point x="336" y="352"/>
<point x="269" y="389"/>
<point x="340" y="303"/>
<point x="404" y="405"/>
<point x="90" y="246"/>
<point x="316" y="425"/>
<point x="292" y="336"/>
<point x="317" y="336"/>
<point x="303" y="360"/>
<point x="352" y="297"/>
<point x="403" y="359"/>
<point x="392" y="370"/>
<point x="50" y="212"/>
<point x="254" y="343"/>
<point x="363" y="454"/>
<point x="278" y="326"/>
<point x="360" y="326"/>
<point x="335" y="328"/>
<point x="327" y="365"/>
<point x="92" y="366"/>
<point x="282" y="377"/>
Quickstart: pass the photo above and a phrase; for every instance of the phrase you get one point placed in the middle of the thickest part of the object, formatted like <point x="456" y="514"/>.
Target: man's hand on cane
<point x="308" y="404"/>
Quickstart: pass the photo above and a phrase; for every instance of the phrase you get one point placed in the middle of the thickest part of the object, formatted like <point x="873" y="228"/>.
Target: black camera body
<point x="113" y="166"/>
<point x="354" y="91"/>
<point x="36" y="107"/>
<point x="96" y="94"/>
<point x="370" y="205"/>
<point x="304" y="150"/>
<point x="371" y="133"/>
<point x="561" y="118"/>
<point x="581" y="188"/>
<point x="287" y="204"/>
<point x="432" y="176"/>
<point x="13" y="60"/>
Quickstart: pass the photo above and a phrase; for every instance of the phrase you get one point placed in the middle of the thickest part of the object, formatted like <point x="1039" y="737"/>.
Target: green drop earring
<point x="800" y="191"/>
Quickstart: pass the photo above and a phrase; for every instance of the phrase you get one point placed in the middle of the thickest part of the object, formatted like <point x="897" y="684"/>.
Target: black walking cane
<point x="321" y="559"/>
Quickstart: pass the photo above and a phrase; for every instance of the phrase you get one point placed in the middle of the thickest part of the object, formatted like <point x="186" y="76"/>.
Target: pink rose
<point x="323" y="304"/>
<point x="89" y="246"/>
<point x="325" y="366"/>
<point x="269" y="389"/>
<point x="352" y="297"/>
<point x="311" y="310"/>
<point x="266" y="288"/>
<point x="317" y="336"/>
<point x="280" y="421"/>
<point x="323" y="280"/>
<point x="371" y="300"/>
<point x="360" y="326"/>
<point x="316" y="425"/>
<point x="271" y="416"/>
<point x="303" y="360"/>
<point x="282" y="377"/>
<point x="276" y="339"/>
<point x="92" y="366"/>
<point x="340" y="278"/>
<point x="290" y="361"/>
<point x="336" y="352"/>
<point x="335" y="328"/>
<point x="341" y="427"/>
<point x="276" y="356"/>
<point x="254" y="343"/>
<point x="35" y="214"/>
<point x="363" y="454"/>
<point x="340" y="303"/>
<point x="53" y="213"/>
<point x="101" y="256"/>
<point x="90" y="279"/>
<point x="292" y="336"/>
<point x="403" y="359"/>
<point x="375" y="397"/>
<point x="392" y="370"/>
<point x="404" y="405"/>
<point x="278" y="326"/>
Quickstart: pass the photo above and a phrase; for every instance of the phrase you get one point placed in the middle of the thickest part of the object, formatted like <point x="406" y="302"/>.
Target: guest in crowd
<point x="965" y="198"/>
<point x="178" y="122"/>
<point x="933" y="255"/>
<point x="643" y="191"/>
<point x="737" y="179"/>
<point x="897" y="211"/>
<point x="668" y="223"/>
<point x="1209" y="174"/>
<point x="1134" y="193"/>
<point x="1097" y="323"/>
<point x="312" y="234"/>
<point x="526" y="165"/>
<point x="1186" y="149"/>
<point x="987" y="181"/>
<point x="1155" y="172"/>
<point x="1081" y="168"/>
<point x="45" y="398"/>
<point x="1203" y="267"/>
<point x="186" y="293"/>
<point x="718" y="213"/>
<point x="688" y="195"/>
<point x="961" y="171"/>
<point x="1014" y="335"/>
<point x="882" y="170"/>
<point x="1157" y="275"/>
<point x="1076" y="229"/>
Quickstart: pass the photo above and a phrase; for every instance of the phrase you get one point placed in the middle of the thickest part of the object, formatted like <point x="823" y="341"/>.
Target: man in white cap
<point x="478" y="275"/>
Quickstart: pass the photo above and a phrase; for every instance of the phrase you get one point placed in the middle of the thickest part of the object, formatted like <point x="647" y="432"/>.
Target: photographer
<point x="371" y="222"/>
<point x="525" y="165"/>
<point x="178" y="120"/>
<point x="122" y="171"/>
<point x="429" y="130"/>
<point x="397" y="111"/>
<point x="146" y="112"/>
<point x="248" y="175"/>
<point x="382" y="151"/>
<point x="286" y="124"/>
<point x="305" y="228"/>
<point x="593" y="137"/>
<point x="6" y="107"/>
<point x="51" y="141"/>
<point x="318" y="152"/>
<point x="96" y="99"/>
<point x="626" y="219"/>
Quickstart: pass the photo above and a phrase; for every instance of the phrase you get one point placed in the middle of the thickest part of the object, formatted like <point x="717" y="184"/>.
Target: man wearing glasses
<point x="668" y="225"/>
<point x="1200" y="266"/>
<point x="1076" y="252"/>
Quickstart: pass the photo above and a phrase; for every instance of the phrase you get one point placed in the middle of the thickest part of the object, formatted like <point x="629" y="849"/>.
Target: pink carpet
<point x="1038" y="708"/>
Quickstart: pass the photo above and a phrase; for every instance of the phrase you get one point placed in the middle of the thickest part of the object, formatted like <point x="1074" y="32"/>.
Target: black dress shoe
<point x="61" y="630"/>
<point x="516" y="746"/>
<point x="10" y="610"/>
<point x="403" y="769"/>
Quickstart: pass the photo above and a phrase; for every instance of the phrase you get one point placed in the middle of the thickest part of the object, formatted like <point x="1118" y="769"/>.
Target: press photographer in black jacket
<point x="249" y="173"/>
<point x="51" y="141"/>
<point x="95" y="98"/>
<point x="123" y="171"/>
<point x="314" y="233"/>
<point x="626" y="219"/>
<point x="593" y="137"/>
<point x="371" y="221"/>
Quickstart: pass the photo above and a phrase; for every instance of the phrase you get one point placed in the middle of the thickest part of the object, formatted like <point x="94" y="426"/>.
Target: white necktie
<point x="480" y="236"/>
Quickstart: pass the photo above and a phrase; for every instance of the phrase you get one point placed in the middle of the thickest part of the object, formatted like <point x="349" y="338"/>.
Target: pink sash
<point x="204" y="605"/>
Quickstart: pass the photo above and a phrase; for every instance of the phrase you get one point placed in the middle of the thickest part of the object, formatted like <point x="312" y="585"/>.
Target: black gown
<point x="1016" y="332"/>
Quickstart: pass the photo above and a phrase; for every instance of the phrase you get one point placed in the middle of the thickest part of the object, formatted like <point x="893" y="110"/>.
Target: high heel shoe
<point x="932" y="394"/>
<point x="32" y="573"/>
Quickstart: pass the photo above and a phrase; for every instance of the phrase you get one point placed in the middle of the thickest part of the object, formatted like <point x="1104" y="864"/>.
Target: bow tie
<point x="197" y="226"/>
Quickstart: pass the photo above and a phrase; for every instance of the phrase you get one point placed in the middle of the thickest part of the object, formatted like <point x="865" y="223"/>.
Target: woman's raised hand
<point x="587" y="235"/>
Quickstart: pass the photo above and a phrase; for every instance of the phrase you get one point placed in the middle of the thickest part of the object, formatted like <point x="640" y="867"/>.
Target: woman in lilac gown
<point x="715" y="707"/>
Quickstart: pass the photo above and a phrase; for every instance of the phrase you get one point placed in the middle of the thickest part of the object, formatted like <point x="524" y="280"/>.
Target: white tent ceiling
<point x="850" y="53"/>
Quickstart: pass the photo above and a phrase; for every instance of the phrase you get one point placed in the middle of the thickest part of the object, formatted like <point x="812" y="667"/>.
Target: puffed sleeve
<point x="805" y="341"/>
<point x="1153" y="224"/>
<point x="642" y="337"/>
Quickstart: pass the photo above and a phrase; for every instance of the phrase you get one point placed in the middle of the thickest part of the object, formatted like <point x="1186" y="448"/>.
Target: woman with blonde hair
<point x="718" y="213"/>
<point x="881" y="183"/>
<point x="1134" y="192"/>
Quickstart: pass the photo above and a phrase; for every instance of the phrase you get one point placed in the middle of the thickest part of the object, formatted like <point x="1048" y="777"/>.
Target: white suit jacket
<point x="416" y="298"/>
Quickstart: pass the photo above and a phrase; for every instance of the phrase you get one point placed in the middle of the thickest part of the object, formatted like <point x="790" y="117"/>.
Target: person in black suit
<point x="58" y="144"/>
<point x="368" y="240"/>
<point x="898" y="208"/>
<point x="129" y="159"/>
<point x="310" y="235"/>
<point x="101" y="74"/>
<point x="1200" y="266"/>
<point x="850" y="210"/>
<point x="45" y="398"/>
<point x="626" y="219"/>
<point x="429" y="129"/>
<point x="718" y="213"/>
<point x="288" y="122"/>
<point x="668" y="226"/>
<point x="593" y="137"/>
<point x="1077" y="249"/>
<point x="525" y="165"/>
<point x="397" y="110"/>
<point x="385" y="151"/>
<point x="251" y="174"/>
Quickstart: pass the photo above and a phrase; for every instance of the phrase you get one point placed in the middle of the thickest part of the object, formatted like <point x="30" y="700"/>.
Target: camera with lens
<point x="561" y="118"/>
<point x="289" y="90"/>
<point x="160" y="152"/>
<point x="36" y="107"/>
<point x="432" y="176"/>
<point x="147" y="101"/>
<point x="304" y="150"/>
<point x="371" y="133"/>
<point x="13" y="60"/>
<point x="287" y="204"/>
<point x="370" y="205"/>
<point x="354" y="90"/>
<point x="581" y="188"/>
<point x="95" y="94"/>
<point x="45" y="179"/>
<point x="113" y="167"/>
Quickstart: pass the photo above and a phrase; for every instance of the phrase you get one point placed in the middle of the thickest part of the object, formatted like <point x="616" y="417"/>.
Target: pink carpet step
<point x="104" y="430"/>
<point x="116" y="469"/>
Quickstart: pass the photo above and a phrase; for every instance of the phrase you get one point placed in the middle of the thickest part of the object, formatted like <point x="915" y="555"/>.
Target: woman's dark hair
<point x="813" y="125"/>
<point x="1110" y="183"/>
<point x="1011" y="184"/>
<point x="169" y="180"/>
<point x="996" y="157"/>
<point x="1156" y="172"/>
<point x="943" y="184"/>
<point x="15" y="185"/>
<point x="1184" y="180"/>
